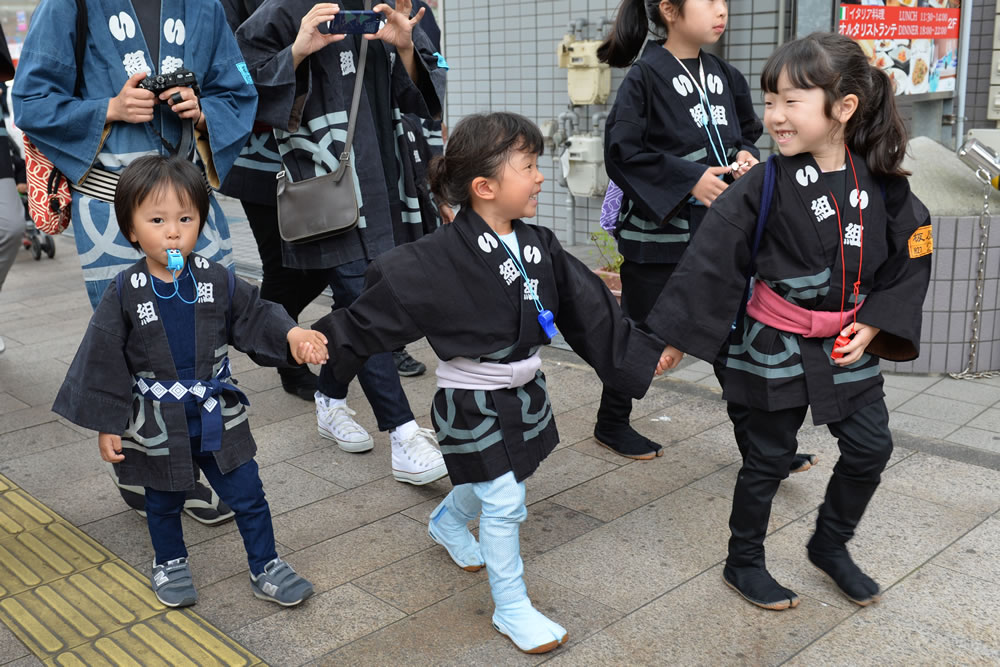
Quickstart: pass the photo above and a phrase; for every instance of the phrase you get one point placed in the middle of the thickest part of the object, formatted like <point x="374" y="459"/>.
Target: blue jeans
<point x="241" y="489"/>
<point x="379" y="377"/>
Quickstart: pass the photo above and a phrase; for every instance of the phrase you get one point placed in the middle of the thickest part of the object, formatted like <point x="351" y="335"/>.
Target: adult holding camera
<point x="306" y="76"/>
<point x="103" y="82"/>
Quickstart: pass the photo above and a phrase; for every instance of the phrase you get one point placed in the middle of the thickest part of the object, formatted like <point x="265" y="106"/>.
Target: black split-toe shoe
<point x="802" y="462"/>
<point x="626" y="441"/>
<point x="836" y="563"/>
<point x="758" y="587"/>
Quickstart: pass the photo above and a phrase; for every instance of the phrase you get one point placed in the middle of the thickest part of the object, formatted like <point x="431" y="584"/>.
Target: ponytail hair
<point x="623" y="44"/>
<point x="837" y="65"/>
<point x="479" y="146"/>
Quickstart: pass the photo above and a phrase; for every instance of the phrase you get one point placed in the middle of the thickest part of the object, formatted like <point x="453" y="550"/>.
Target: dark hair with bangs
<point x="838" y="66"/>
<point x="151" y="175"/>
<point x="478" y="146"/>
<point x="624" y="42"/>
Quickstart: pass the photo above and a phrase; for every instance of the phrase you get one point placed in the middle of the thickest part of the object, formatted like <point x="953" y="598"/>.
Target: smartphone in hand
<point x="353" y="22"/>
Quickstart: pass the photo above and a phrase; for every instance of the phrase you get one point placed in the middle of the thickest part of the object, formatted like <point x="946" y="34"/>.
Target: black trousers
<point x="292" y="288"/>
<point x="865" y="446"/>
<point x="641" y="287"/>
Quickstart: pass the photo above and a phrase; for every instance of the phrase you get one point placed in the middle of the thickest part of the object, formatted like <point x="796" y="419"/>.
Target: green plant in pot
<point x="611" y="261"/>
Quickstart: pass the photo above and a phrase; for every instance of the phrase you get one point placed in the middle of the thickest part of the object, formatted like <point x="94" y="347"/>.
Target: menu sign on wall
<point x="914" y="41"/>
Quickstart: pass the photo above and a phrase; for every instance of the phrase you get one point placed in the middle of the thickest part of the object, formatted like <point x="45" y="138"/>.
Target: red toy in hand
<point x="840" y="342"/>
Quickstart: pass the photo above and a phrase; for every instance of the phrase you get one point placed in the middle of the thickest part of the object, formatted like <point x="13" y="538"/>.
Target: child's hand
<point x="110" y="446"/>
<point x="669" y="359"/>
<point x="710" y="186"/>
<point x="863" y="335"/>
<point x="308" y="346"/>
<point x="744" y="161"/>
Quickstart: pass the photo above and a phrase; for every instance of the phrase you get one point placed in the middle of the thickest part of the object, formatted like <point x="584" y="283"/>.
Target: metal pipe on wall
<point x="781" y="22"/>
<point x="963" y="75"/>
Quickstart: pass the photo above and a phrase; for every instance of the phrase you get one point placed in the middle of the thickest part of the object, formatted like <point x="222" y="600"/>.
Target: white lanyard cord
<point x="703" y="97"/>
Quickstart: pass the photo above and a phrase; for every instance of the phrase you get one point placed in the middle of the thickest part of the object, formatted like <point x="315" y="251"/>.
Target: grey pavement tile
<point x="987" y="421"/>
<point x="84" y="500"/>
<point x="11" y="647"/>
<point x="680" y="421"/>
<point x="550" y="525"/>
<point x="934" y="616"/>
<point x="287" y="439"/>
<point x="275" y="405"/>
<point x="664" y="394"/>
<point x="229" y="604"/>
<point x="126" y="535"/>
<point x="949" y="483"/>
<point x="573" y="388"/>
<point x="638" y="557"/>
<point x="40" y="468"/>
<point x="703" y="622"/>
<point x="344" y="468"/>
<point x="22" y="419"/>
<point x="576" y="425"/>
<point x="27" y="661"/>
<point x="711" y="382"/>
<point x="384" y="543"/>
<point x="944" y="409"/>
<point x="976" y="392"/>
<point x="46" y="436"/>
<point x="896" y="536"/>
<point x="468" y="637"/>
<point x="420" y="580"/>
<point x="259" y="379"/>
<point x="288" y="487"/>
<point x="975" y="553"/>
<point x="688" y="375"/>
<point x="895" y="397"/>
<point x="978" y="438"/>
<point x="563" y="470"/>
<point x="922" y="426"/>
<point x="8" y="403"/>
<point x="320" y="625"/>
<point x="912" y="381"/>
<point x="350" y="509"/>
<point x="422" y="512"/>
<point x="35" y="395"/>
<point x="624" y="489"/>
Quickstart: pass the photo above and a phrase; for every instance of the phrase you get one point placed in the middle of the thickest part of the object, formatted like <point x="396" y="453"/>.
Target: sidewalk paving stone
<point x="966" y="487"/>
<point x="975" y="437"/>
<point x="975" y="553"/>
<point x="947" y="410"/>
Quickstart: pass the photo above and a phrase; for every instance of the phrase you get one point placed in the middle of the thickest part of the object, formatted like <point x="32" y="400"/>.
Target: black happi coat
<point x="800" y="259"/>
<point x="309" y="107"/>
<point x="655" y="150"/>
<point x="458" y="288"/>
<point x="126" y="339"/>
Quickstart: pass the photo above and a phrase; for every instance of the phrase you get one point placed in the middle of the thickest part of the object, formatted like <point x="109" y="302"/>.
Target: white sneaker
<point x="335" y="422"/>
<point x="417" y="460"/>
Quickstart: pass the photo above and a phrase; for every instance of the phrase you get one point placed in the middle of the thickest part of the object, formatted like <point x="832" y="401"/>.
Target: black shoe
<point x="758" y="587"/>
<point x="626" y="441"/>
<point x="406" y="365"/>
<point x="802" y="462"/>
<point x="204" y="506"/>
<point x="299" y="380"/>
<point x="836" y="563"/>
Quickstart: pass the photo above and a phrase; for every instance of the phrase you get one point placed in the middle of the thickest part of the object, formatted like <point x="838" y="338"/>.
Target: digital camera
<point x="181" y="77"/>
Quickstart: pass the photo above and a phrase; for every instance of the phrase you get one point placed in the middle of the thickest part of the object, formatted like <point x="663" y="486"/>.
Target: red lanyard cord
<point x="843" y="262"/>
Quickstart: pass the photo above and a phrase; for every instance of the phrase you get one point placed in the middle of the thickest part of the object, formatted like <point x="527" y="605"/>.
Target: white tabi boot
<point x="449" y="527"/>
<point x="515" y="617"/>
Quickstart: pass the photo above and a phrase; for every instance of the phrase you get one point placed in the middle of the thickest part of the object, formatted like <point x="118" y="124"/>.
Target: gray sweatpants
<point x="11" y="225"/>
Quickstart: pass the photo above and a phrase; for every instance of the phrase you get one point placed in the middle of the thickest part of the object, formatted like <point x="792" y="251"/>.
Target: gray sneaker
<point x="279" y="583"/>
<point x="172" y="583"/>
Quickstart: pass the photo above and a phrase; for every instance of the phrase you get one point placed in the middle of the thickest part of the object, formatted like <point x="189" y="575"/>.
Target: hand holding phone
<point x="353" y="22"/>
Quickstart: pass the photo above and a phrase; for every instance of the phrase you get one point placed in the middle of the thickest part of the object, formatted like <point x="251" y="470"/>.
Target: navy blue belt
<point x="198" y="391"/>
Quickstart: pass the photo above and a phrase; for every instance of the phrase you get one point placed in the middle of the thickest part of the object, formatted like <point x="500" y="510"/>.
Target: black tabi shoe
<point x="836" y="563"/>
<point x="300" y="381"/>
<point x="758" y="587"/>
<point x="204" y="506"/>
<point x="626" y="441"/>
<point x="406" y="365"/>
<point x="802" y="462"/>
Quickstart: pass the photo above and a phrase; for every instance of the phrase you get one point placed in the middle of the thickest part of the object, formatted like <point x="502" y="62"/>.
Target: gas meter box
<point x="585" y="174"/>
<point x="588" y="79"/>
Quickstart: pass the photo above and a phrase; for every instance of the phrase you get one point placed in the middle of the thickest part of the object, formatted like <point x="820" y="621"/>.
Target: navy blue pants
<point x="379" y="377"/>
<point x="241" y="489"/>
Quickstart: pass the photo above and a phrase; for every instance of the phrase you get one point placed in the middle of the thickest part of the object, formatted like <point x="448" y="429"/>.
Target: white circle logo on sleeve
<point x="859" y="199"/>
<point x="173" y="30"/>
<point x="487" y="242"/>
<point x="532" y="255"/>
<point x="714" y="84"/>
<point x="806" y="175"/>
<point x="138" y="280"/>
<point x="122" y="26"/>
<point x="683" y="85"/>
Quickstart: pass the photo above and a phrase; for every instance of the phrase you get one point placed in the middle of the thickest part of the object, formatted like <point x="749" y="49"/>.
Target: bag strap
<point x="359" y="76"/>
<point x="81" y="42"/>
<point x="767" y="194"/>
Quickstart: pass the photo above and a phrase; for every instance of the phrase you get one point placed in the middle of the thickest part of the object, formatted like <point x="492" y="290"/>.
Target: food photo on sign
<point x="914" y="41"/>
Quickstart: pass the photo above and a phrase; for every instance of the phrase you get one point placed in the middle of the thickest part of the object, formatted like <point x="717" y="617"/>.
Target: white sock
<point x="332" y="402"/>
<point x="404" y="431"/>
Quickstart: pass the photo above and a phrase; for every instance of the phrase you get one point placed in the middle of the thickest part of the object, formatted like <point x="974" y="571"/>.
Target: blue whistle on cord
<point x="547" y="320"/>
<point x="174" y="260"/>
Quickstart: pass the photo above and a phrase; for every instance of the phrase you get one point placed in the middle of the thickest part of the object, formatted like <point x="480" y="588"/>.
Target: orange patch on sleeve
<point x="921" y="242"/>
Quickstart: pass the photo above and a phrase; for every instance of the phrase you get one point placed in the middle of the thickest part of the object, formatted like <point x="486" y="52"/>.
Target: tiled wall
<point x="980" y="52"/>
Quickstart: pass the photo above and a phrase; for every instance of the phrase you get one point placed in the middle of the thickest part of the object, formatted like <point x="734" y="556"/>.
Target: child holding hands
<point x="152" y="376"/>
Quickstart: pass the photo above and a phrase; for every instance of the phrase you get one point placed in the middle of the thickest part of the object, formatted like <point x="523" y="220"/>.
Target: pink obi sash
<point x="767" y="307"/>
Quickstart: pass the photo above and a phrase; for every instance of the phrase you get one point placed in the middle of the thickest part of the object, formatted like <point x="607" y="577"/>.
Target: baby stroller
<point x="34" y="240"/>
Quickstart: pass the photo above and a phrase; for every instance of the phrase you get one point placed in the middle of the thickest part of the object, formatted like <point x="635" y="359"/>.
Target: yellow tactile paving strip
<point x="73" y="602"/>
